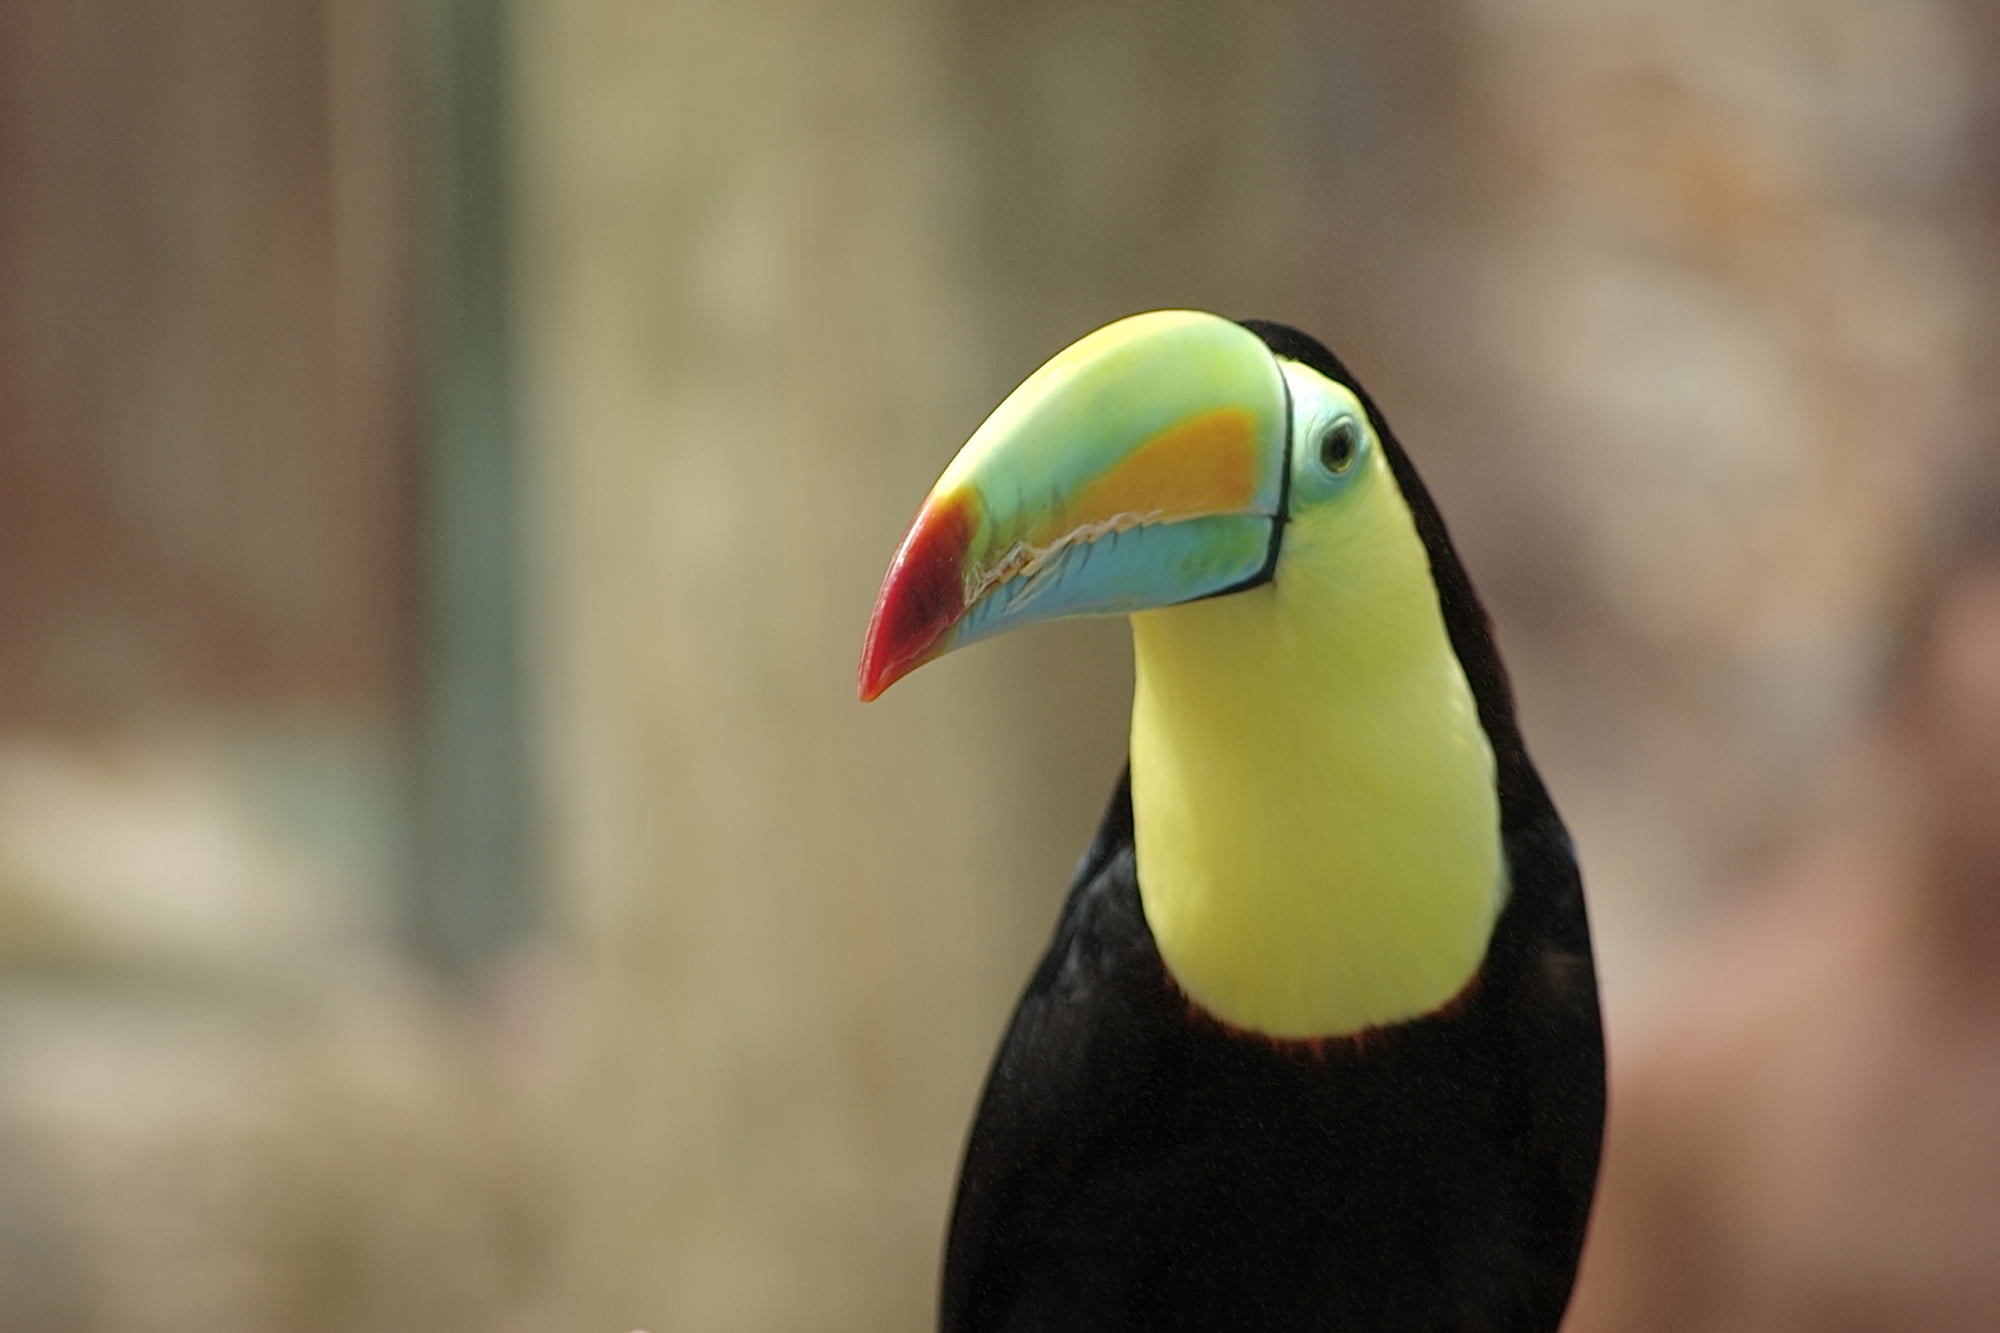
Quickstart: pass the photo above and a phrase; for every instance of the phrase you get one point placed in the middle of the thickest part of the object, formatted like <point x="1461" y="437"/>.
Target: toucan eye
<point x="1338" y="445"/>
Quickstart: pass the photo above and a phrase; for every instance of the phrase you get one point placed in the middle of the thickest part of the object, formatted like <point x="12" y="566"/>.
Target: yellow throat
<point x="1317" y="827"/>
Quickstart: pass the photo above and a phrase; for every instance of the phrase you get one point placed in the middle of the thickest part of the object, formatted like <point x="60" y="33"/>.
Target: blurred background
<point x="448" y="452"/>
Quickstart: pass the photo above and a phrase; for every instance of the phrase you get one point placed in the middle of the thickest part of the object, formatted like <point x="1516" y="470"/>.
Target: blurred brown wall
<point x="227" y="1099"/>
<point x="207" y="364"/>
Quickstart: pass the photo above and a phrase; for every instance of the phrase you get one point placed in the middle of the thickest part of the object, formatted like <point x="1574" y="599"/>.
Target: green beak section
<point x="1142" y="466"/>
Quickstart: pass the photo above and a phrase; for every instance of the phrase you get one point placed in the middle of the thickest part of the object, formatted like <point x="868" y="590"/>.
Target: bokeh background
<point x="448" y="451"/>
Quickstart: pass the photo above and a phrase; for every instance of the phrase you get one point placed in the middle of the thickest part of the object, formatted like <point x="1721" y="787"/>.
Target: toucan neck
<point x="1314" y="808"/>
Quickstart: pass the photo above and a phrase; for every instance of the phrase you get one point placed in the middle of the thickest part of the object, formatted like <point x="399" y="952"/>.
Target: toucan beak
<point x="1144" y="465"/>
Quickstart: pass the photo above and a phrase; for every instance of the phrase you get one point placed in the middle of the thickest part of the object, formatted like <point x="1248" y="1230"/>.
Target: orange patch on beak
<point x="1205" y="465"/>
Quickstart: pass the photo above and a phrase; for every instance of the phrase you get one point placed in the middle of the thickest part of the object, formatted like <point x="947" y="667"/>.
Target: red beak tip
<point x="874" y="675"/>
<point x="921" y="599"/>
<point x="883" y="663"/>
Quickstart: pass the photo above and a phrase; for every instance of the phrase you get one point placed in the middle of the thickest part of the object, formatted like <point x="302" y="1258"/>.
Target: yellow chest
<point x="1314" y="807"/>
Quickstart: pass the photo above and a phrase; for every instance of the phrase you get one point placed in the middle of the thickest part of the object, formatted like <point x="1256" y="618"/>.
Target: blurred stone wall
<point x="1735" y="300"/>
<point x="207" y="362"/>
<point x="228" y="1102"/>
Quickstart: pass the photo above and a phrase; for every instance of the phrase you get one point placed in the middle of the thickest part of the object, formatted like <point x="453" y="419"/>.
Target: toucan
<point x="1316" y="1044"/>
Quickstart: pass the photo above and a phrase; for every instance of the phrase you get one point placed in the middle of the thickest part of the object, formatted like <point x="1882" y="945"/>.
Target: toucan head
<point x="1322" y="746"/>
<point x="1160" y="460"/>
